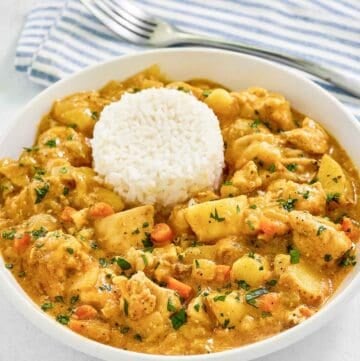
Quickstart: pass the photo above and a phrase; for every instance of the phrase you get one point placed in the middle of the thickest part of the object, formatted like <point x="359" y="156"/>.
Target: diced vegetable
<point x="181" y="288"/>
<point x="20" y="244"/>
<point x="85" y="312"/>
<point x="100" y="210"/>
<point x="162" y="234"/>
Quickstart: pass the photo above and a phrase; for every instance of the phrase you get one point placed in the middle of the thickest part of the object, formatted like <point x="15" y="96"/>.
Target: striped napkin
<point x="61" y="36"/>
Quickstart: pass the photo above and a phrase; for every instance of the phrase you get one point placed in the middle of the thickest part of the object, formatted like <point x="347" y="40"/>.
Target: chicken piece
<point x="318" y="239"/>
<point x="311" y="138"/>
<point x="247" y="178"/>
<point x="271" y="108"/>
<point x="145" y="305"/>
<point x="80" y="110"/>
<point x="62" y="142"/>
<point x="255" y="146"/>
<point x="311" y="198"/>
<point x="39" y="196"/>
<point x="16" y="174"/>
<point x="120" y="231"/>
<point x="302" y="279"/>
<point x="53" y="259"/>
<point x="241" y="127"/>
<point x="216" y="219"/>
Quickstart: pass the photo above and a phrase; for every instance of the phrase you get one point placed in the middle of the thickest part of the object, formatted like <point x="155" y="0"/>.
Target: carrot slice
<point x="101" y="210"/>
<point x="67" y="213"/>
<point x="181" y="288"/>
<point x="162" y="234"/>
<point x="350" y="229"/>
<point x="85" y="312"/>
<point x="222" y="273"/>
<point x="268" y="302"/>
<point x="20" y="244"/>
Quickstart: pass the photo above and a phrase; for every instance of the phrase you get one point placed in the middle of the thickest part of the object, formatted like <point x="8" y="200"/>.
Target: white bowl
<point x="235" y="71"/>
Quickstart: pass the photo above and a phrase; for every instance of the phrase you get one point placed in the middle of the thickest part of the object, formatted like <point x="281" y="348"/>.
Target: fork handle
<point x="350" y="85"/>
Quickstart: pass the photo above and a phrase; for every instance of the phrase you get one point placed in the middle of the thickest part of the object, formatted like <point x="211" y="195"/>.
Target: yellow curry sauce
<point x="255" y="257"/>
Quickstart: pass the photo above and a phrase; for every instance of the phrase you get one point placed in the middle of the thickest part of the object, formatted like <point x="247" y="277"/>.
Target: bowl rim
<point x="31" y="311"/>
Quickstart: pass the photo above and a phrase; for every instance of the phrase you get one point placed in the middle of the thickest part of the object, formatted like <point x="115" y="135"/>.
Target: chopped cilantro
<point x="320" y="230"/>
<point x="206" y="92"/>
<point x="145" y="225"/>
<point x="271" y="168"/>
<point x="182" y="89"/>
<point x="63" y="319"/>
<point x="95" y="115"/>
<point x="197" y="264"/>
<point x="251" y="225"/>
<point x="237" y="209"/>
<point x="226" y="323"/>
<point x="59" y="299"/>
<point x="35" y="148"/>
<point x="10" y="235"/>
<point x="271" y="283"/>
<point x="305" y="194"/>
<point x="243" y="284"/>
<point x="216" y="216"/>
<point x="291" y="167"/>
<point x="66" y="191"/>
<point x="70" y="250"/>
<point x="255" y="123"/>
<point x="138" y="337"/>
<point x="41" y="193"/>
<point x="197" y="307"/>
<point x="219" y="298"/>
<point x="124" y="329"/>
<point x="228" y="183"/>
<point x="136" y="231"/>
<point x="9" y="265"/>
<point x="288" y="204"/>
<point x="123" y="263"/>
<point x="332" y="197"/>
<point x="253" y="206"/>
<point x="170" y="306"/>
<point x="51" y="143"/>
<point x="294" y="256"/>
<point x="347" y="259"/>
<point x="145" y="260"/>
<point x="178" y="319"/>
<point x="47" y="306"/>
<point x="37" y="233"/>
<point x="265" y="314"/>
<point x="251" y="296"/>
<point x="328" y="258"/>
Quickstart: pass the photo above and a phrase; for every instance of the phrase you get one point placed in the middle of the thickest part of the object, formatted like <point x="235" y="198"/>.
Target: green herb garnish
<point x="178" y="319"/>
<point x="41" y="193"/>
<point x="216" y="216"/>
<point x="251" y="296"/>
<point x="123" y="264"/>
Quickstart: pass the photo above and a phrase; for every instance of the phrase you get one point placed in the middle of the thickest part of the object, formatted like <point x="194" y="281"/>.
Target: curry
<point x="229" y="267"/>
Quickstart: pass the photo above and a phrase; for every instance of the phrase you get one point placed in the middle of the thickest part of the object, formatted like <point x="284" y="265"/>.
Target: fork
<point x="135" y="25"/>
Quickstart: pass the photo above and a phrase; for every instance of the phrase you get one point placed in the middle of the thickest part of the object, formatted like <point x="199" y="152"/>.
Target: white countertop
<point x="22" y="341"/>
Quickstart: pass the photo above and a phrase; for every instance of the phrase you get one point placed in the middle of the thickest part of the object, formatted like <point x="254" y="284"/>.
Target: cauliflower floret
<point x="53" y="259"/>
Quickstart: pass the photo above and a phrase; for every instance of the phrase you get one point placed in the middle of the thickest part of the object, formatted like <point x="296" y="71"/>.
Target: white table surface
<point x="22" y="341"/>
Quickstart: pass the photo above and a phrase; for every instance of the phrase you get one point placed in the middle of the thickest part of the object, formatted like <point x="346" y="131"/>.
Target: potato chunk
<point x="332" y="178"/>
<point x="302" y="279"/>
<point x="217" y="219"/>
<point x="120" y="231"/>
<point x="228" y="310"/>
<point x="251" y="268"/>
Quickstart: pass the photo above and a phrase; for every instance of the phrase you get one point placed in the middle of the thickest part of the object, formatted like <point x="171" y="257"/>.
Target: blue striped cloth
<point x="60" y="36"/>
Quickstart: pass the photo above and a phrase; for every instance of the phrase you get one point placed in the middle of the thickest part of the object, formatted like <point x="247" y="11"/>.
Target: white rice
<point x="158" y="146"/>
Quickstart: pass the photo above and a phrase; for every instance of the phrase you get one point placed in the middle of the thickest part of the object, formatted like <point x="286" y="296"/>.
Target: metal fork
<point x="137" y="26"/>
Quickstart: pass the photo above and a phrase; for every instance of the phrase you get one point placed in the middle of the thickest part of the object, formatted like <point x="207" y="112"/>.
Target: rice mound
<point x="158" y="146"/>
